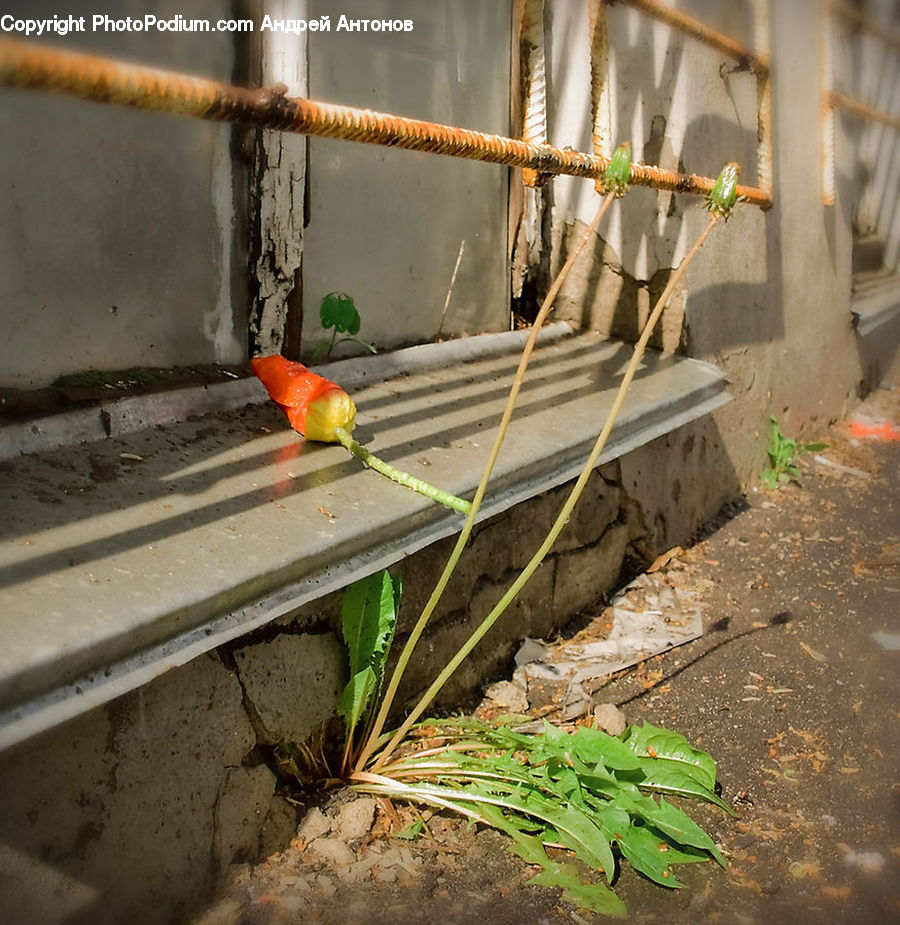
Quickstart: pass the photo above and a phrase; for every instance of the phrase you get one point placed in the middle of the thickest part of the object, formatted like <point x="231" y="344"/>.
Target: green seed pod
<point x="724" y="194"/>
<point x="618" y="170"/>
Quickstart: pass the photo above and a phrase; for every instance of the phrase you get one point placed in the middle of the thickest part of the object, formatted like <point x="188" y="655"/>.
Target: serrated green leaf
<point x="357" y="695"/>
<point x="412" y="831"/>
<point x="648" y="853"/>
<point x="549" y="789"/>
<point x="577" y="831"/>
<point x="565" y="780"/>
<point x="368" y="619"/>
<point x="572" y="825"/>
<point x="664" y="777"/>
<point x="594" y="746"/>
<point x="676" y="824"/>
<point x="338" y="311"/>
<point x="664" y="744"/>
<point x="592" y="897"/>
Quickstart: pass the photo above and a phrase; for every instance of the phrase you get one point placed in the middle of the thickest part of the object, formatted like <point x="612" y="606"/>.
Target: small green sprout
<point x="783" y="454"/>
<point x="338" y="312"/>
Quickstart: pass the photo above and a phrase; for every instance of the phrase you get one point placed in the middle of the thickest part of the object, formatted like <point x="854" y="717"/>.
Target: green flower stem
<point x="402" y="478"/>
<point x="463" y="538"/>
<point x="564" y="514"/>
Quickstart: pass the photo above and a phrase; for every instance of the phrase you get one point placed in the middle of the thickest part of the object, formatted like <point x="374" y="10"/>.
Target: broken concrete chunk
<point x="509" y="695"/>
<point x="293" y="683"/>
<point x="227" y="911"/>
<point x="332" y="850"/>
<point x="354" y="819"/>
<point x="578" y="702"/>
<point x="533" y="650"/>
<point x="315" y="824"/>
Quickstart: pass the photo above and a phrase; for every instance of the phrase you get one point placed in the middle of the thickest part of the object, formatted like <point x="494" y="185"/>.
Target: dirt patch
<point x="792" y="688"/>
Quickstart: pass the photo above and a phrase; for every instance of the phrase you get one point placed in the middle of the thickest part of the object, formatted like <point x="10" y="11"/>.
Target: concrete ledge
<point x="125" y="557"/>
<point x="875" y="300"/>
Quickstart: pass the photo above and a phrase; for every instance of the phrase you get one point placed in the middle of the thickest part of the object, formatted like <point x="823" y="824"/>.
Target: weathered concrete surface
<point x="439" y="210"/>
<point x="293" y="683"/>
<point x="129" y="250"/>
<point x="768" y="298"/>
<point x="141" y="802"/>
<point x="134" y="809"/>
<point x="793" y="691"/>
<point x="139" y="552"/>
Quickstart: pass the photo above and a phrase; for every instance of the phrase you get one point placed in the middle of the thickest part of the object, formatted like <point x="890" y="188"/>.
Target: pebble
<point x="354" y="819"/>
<point x="333" y="850"/>
<point x="509" y="695"/>
<point x="610" y="718"/>
<point x="314" y="825"/>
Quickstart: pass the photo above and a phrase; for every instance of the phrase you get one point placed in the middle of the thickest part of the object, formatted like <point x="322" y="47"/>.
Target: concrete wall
<point x="868" y="69"/>
<point x="122" y="242"/>
<point x="132" y="812"/>
<point x="387" y="226"/>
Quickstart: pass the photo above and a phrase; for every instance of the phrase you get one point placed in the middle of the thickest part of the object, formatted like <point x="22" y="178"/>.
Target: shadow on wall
<point x="870" y="72"/>
<point x="613" y="290"/>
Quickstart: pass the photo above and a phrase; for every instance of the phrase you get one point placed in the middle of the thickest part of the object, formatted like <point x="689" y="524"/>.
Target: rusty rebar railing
<point x="835" y="100"/>
<point x="755" y="62"/>
<point x="863" y="110"/>
<point x="105" y="80"/>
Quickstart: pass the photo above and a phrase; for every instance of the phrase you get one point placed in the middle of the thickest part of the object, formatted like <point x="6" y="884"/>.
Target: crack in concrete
<point x="260" y="731"/>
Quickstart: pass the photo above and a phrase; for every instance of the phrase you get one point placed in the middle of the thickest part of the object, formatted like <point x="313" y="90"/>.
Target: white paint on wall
<point x="228" y="342"/>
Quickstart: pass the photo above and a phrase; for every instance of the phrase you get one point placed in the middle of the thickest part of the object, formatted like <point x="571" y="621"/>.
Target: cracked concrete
<point x="134" y="809"/>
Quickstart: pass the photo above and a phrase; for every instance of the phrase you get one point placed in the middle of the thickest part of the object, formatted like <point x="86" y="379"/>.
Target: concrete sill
<point x="127" y="555"/>
<point x="875" y="300"/>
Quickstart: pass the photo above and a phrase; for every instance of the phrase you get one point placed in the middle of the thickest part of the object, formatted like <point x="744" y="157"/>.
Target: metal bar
<point x="757" y="63"/>
<point x="534" y="122"/>
<point x="856" y="108"/>
<point x="102" y="79"/>
<point x="764" y="155"/>
<point x="829" y="192"/>
<point x="601" y="103"/>
<point x="865" y="22"/>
